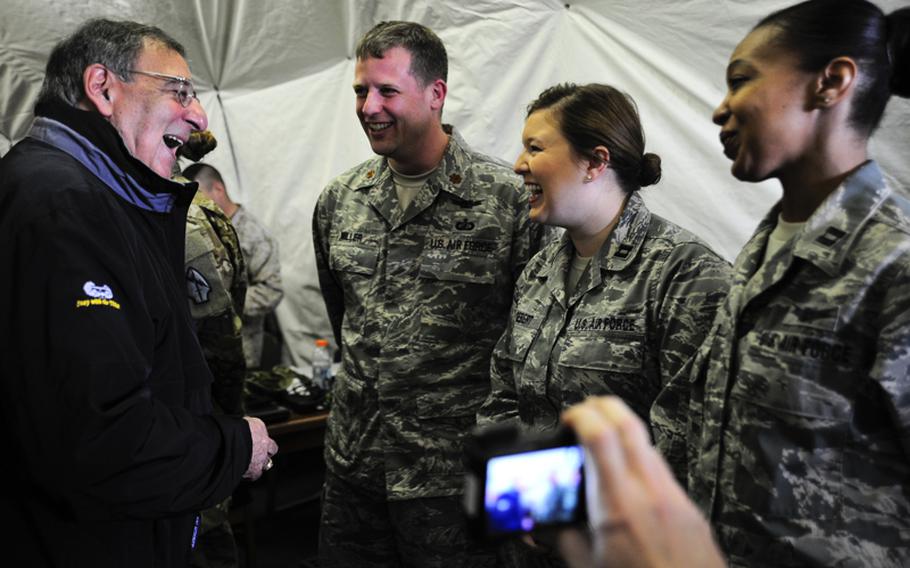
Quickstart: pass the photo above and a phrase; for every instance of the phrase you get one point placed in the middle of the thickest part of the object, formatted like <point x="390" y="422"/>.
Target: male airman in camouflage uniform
<point x="417" y="293"/>
<point x="800" y="420"/>
<point x="635" y="318"/>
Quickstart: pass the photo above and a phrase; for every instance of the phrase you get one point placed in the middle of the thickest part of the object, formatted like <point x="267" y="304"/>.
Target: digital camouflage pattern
<point x="216" y="285"/>
<point x="431" y="531"/>
<point x="636" y="317"/>
<point x="417" y="300"/>
<point x="800" y="430"/>
<point x="264" y="288"/>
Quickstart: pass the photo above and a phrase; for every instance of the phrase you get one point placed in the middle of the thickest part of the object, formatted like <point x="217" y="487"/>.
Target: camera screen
<point x="541" y="487"/>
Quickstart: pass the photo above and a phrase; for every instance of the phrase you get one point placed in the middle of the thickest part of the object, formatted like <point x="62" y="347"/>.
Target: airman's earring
<point x="588" y="179"/>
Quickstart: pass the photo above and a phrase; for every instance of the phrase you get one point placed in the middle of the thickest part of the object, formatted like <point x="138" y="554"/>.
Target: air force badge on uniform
<point x="197" y="286"/>
<point x="98" y="295"/>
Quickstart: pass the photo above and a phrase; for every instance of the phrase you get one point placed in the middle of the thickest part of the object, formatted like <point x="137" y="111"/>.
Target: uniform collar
<point x="830" y="231"/>
<point x="449" y="176"/>
<point x="625" y="241"/>
<point x="97" y="145"/>
<point x="619" y="250"/>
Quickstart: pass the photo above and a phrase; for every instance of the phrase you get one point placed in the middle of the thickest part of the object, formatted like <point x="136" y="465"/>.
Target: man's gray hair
<point x="428" y="54"/>
<point x="114" y="44"/>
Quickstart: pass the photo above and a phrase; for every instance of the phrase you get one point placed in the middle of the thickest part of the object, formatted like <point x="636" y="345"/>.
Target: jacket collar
<point x="97" y="145"/>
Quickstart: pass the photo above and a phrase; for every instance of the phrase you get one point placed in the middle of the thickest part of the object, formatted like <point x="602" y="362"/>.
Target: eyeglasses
<point x="185" y="91"/>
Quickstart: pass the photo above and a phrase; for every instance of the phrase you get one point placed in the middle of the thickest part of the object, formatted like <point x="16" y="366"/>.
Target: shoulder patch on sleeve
<point x="98" y="295"/>
<point x="197" y="287"/>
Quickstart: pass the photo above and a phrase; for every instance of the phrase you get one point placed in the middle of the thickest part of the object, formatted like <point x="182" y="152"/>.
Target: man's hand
<point x="263" y="449"/>
<point x="648" y="521"/>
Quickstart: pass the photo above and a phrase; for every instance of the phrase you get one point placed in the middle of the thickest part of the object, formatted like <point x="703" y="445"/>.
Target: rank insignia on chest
<point x="831" y="236"/>
<point x="624" y="250"/>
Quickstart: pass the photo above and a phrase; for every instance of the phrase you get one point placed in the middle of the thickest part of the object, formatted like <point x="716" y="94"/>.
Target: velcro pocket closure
<point x="353" y="259"/>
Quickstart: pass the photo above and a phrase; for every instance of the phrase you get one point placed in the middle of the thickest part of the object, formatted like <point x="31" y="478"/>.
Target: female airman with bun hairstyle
<point x="620" y="303"/>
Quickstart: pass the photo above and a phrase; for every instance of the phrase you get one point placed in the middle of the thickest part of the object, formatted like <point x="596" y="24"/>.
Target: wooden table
<point x="300" y="432"/>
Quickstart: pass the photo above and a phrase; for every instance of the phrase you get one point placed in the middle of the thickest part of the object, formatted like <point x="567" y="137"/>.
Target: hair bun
<point x="649" y="173"/>
<point x="899" y="49"/>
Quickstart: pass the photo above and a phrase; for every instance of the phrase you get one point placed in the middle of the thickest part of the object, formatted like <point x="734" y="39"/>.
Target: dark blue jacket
<point x="109" y="446"/>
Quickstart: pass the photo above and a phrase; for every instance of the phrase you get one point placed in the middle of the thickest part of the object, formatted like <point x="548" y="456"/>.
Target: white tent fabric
<point x="275" y="78"/>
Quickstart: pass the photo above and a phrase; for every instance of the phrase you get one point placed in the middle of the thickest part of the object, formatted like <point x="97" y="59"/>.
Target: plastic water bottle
<point x="322" y="364"/>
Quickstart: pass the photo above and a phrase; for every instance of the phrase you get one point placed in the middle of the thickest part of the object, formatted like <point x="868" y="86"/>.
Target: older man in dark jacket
<point x="110" y="445"/>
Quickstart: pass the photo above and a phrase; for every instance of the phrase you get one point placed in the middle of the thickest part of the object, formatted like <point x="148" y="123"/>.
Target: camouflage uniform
<point x="417" y="299"/>
<point x="260" y="252"/>
<point x="637" y="315"/>
<point x="216" y="285"/>
<point x="800" y="420"/>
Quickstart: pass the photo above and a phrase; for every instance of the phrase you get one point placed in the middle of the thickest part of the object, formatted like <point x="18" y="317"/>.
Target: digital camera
<point x="518" y="482"/>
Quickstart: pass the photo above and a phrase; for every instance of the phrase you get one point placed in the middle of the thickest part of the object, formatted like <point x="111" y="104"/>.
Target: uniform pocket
<point x="792" y="402"/>
<point x="607" y="353"/>
<point x="472" y="256"/>
<point x="459" y="268"/>
<point x="341" y="438"/>
<point x="205" y="287"/>
<point x="789" y="464"/>
<point x="445" y="417"/>
<point x="458" y="302"/>
<point x="353" y="259"/>
<point x="606" y="364"/>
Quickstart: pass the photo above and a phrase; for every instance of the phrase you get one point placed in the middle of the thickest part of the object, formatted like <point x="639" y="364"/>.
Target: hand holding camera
<point x="643" y="517"/>
<point x="599" y="478"/>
